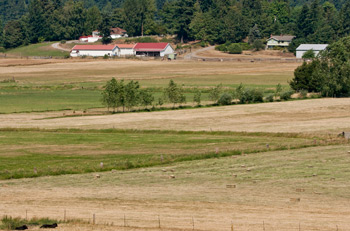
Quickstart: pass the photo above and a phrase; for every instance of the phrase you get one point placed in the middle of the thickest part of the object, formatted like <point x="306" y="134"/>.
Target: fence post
<point x="158" y="221"/>
<point x="64" y="216"/>
<point x="93" y="219"/>
<point x="231" y="225"/>
<point x="192" y="223"/>
<point x="264" y="225"/>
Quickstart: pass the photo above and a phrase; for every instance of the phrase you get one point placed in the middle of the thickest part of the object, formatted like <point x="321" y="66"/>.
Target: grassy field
<point x="40" y="49"/>
<point x="55" y="152"/>
<point x="302" y="187"/>
<point x="55" y="86"/>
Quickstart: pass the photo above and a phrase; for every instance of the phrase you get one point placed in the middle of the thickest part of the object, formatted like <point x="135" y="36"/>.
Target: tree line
<point x="119" y="95"/>
<point x="212" y="21"/>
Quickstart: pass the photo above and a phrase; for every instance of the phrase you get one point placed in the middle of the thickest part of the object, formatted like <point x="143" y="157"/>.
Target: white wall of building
<point x="94" y="53"/>
<point x="299" y="54"/>
<point x="168" y="50"/>
<point x="126" y="52"/>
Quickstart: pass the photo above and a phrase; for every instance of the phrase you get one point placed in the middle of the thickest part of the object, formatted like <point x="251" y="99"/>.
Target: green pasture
<point x="39" y="49"/>
<point x="56" y="152"/>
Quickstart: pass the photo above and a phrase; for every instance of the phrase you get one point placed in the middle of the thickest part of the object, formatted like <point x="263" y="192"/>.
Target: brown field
<point x="304" y="189"/>
<point x="189" y="72"/>
<point x="280" y="189"/>
<point x="269" y="54"/>
<point x="307" y="116"/>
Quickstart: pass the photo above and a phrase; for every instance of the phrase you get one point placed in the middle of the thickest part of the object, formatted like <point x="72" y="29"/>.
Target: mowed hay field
<point x="280" y="189"/>
<point x="271" y="166"/>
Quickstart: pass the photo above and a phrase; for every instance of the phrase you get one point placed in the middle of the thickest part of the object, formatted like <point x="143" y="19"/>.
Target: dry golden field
<point x="304" y="116"/>
<point x="293" y="189"/>
<point x="284" y="189"/>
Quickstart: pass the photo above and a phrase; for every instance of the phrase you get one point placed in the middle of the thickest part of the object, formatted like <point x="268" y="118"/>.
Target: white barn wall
<point x="94" y="53"/>
<point x="299" y="54"/>
<point x="168" y="50"/>
<point x="126" y="52"/>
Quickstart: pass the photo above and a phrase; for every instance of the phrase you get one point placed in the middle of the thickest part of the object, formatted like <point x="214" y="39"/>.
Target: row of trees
<point x="213" y="21"/>
<point x="118" y="94"/>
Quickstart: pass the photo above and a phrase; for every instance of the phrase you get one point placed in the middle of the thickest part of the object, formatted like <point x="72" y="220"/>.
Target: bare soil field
<point x="326" y="115"/>
<point x="303" y="189"/>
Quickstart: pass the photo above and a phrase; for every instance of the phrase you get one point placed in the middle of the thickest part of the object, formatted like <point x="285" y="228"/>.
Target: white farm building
<point x="153" y="49"/>
<point x="316" y="48"/>
<point x="122" y="50"/>
<point x="94" y="50"/>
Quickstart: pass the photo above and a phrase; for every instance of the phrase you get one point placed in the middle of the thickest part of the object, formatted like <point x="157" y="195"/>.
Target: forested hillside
<point x="213" y="21"/>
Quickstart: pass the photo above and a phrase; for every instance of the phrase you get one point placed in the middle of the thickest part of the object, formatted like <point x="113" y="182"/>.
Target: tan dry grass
<point x="265" y="193"/>
<point x="90" y="70"/>
<point x="310" y="116"/>
<point x="212" y="53"/>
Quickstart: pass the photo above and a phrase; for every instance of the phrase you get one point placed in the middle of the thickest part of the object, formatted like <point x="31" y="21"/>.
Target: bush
<point x="225" y="99"/>
<point x="269" y="98"/>
<point x="258" y="45"/>
<point x="251" y="96"/>
<point x="234" y="48"/>
<point x="303" y="94"/>
<point x="106" y="56"/>
<point x="245" y="46"/>
<point x="63" y="41"/>
<point x="287" y="95"/>
<point x="310" y="54"/>
<point x="203" y="44"/>
<point x="221" y="47"/>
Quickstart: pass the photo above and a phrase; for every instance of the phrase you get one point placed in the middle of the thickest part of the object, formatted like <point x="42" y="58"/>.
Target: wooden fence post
<point x="158" y="221"/>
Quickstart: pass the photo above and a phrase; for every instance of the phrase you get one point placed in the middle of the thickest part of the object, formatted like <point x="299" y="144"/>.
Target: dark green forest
<point x="213" y="21"/>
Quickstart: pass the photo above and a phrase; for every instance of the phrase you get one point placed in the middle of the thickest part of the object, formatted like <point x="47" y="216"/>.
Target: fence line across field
<point x="159" y="221"/>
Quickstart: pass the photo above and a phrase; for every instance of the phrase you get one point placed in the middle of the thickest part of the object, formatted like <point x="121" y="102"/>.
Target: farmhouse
<point x="94" y="50"/>
<point x="316" y="48"/>
<point x="126" y="49"/>
<point x="279" y="41"/>
<point x="153" y="49"/>
<point x="118" y="33"/>
<point x="90" y="38"/>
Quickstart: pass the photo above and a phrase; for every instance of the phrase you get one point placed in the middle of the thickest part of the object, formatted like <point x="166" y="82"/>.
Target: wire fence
<point x="137" y="220"/>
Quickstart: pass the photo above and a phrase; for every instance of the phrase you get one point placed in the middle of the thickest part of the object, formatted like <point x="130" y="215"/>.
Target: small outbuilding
<point x="94" y="50"/>
<point x="118" y="33"/>
<point x="279" y="41"/>
<point x="316" y="48"/>
<point x="153" y="49"/>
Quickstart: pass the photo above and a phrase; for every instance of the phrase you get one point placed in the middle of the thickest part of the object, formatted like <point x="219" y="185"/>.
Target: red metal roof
<point x="150" y="46"/>
<point x="94" y="47"/>
<point x="125" y="46"/>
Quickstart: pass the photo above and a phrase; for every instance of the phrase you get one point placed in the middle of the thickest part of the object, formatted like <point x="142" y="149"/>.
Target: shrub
<point x="221" y="47"/>
<point x="310" y="54"/>
<point x="225" y="99"/>
<point x="203" y="44"/>
<point x="269" y="98"/>
<point x="234" y="48"/>
<point x="105" y="56"/>
<point x="303" y="94"/>
<point x="63" y="41"/>
<point x="287" y="95"/>
<point x="245" y="46"/>
<point x="258" y="45"/>
<point x="251" y="96"/>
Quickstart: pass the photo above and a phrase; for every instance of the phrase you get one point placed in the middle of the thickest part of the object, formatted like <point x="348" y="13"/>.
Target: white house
<point x="126" y="49"/>
<point x="316" y="48"/>
<point x="89" y="39"/>
<point x="94" y="50"/>
<point x="153" y="49"/>
<point x="118" y="33"/>
<point x="279" y="41"/>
